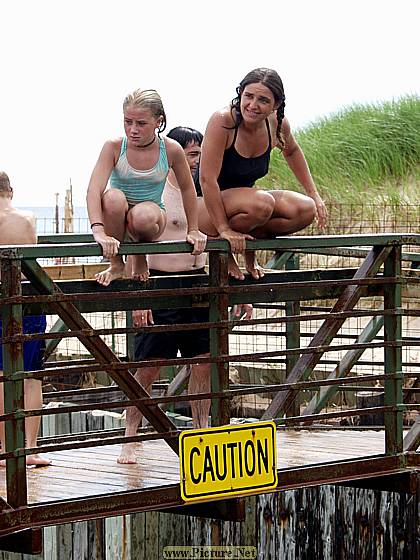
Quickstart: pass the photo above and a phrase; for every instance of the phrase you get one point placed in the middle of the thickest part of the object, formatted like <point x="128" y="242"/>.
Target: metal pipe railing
<point x="218" y="294"/>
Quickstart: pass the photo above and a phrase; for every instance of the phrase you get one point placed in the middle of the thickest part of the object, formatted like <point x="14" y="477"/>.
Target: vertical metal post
<point x="293" y="336"/>
<point x="113" y="335"/>
<point x="393" y="355"/>
<point x="13" y="390"/>
<point x="219" y="338"/>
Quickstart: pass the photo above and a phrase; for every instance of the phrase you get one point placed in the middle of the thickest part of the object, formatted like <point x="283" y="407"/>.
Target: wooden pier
<point x="85" y="482"/>
<point x="304" y="458"/>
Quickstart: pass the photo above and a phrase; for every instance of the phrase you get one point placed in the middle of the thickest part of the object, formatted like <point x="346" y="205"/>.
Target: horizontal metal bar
<point x="237" y="392"/>
<point x="279" y="243"/>
<point x="289" y="421"/>
<point x="371" y="389"/>
<point x="352" y="252"/>
<point x="254" y="357"/>
<point x="107" y="303"/>
<point x="89" y="290"/>
<point x="231" y="324"/>
<point x="357" y="252"/>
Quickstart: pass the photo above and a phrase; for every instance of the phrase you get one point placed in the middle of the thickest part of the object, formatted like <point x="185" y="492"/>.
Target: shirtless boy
<point x="18" y="228"/>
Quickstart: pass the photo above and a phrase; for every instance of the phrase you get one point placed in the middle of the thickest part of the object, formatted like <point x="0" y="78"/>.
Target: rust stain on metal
<point x="14" y="326"/>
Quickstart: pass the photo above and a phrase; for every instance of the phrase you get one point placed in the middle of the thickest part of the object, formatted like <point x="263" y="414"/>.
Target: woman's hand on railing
<point x="198" y="240"/>
<point x="109" y="245"/>
<point x="237" y="240"/>
<point x="142" y="317"/>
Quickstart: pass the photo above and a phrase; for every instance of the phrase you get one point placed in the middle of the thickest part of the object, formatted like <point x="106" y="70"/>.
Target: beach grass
<point x="363" y="153"/>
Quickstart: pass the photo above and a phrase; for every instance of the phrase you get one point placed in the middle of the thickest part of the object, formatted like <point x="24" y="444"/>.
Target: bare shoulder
<point x="110" y="152"/>
<point x="290" y="144"/>
<point x="112" y="148"/>
<point x="219" y="130"/>
<point x="223" y="118"/>
<point x="114" y="142"/>
<point x="285" y="127"/>
<point x="24" y="213"/>
<point x="18" y="227"/>
<point x="286" y="133"/>
<point x="174" y="150"/>
<point x="172" y="145"/>
<point x="24" y="216"/>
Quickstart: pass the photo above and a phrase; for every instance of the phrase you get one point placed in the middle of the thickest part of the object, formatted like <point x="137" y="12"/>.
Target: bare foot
<point x="140" y="268"/>
<point x="114" y="272"/>
<point x="252" y="266"/>
<point x="37" y="461"/>
<point x="233" y="268"/>
<point x="128" y="454"/>
<point x="32" y="461"/>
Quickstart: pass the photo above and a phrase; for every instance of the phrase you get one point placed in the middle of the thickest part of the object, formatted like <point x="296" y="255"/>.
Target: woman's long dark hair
<point x="270" y="79"/>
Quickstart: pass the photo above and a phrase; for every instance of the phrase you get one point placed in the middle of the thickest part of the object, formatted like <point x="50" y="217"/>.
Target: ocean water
<point x="46" y="223"/>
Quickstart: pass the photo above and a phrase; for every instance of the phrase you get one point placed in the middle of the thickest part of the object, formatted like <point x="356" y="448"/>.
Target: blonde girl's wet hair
<point x="147" y="99"/>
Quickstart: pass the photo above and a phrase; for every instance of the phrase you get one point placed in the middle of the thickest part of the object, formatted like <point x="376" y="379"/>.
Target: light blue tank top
<point x="138" y="185"/>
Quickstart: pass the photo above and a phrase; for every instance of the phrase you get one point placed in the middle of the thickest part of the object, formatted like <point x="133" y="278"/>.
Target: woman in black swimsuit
<point x="235" y="153"/>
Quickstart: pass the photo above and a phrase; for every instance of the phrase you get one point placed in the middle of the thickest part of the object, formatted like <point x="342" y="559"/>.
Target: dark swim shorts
<point x="33" y="350"/>
<point x="167" y="344"/>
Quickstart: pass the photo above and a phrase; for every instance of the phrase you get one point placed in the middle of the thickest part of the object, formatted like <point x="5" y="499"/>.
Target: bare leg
<point x="252" y="266"/>
<point x="145" y="222"/>
<point x="114" y="210"/>
<point x="261" y="213"/>
<point x="33" y="399"/>
<point x="205" y="225"/>
<point x="258" y="209"/>
<point x="145" y="376"/>
<point x="246" y="209"/>
<point x="233" y="268"/>
<point x="140" y="268"/>
<point x="292" y="212"/>
<point x="200" y="382"/>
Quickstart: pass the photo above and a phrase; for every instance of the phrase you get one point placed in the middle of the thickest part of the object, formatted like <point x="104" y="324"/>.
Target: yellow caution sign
<point x="228" y="460"/>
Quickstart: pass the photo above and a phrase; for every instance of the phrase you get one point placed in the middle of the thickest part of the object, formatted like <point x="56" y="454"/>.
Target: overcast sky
<point x="67" y="66"/>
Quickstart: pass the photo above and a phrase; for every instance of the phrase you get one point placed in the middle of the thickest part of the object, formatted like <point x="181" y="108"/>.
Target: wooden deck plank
<point x="95" y="471"/>
<point x="139" y="472"/>
<point x="117" y="479"/>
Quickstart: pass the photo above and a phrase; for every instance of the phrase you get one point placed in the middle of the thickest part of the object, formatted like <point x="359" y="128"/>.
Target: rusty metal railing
<point x="379" y="275"/>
